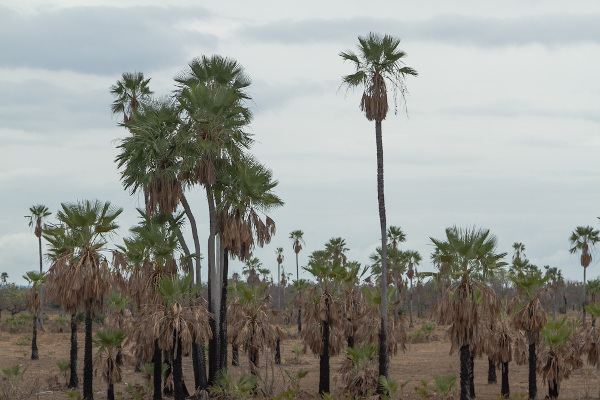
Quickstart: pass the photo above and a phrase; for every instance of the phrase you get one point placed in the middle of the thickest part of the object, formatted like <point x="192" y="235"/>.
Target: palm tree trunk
<point x="410" y="325"/>
<point x="324" y="362"/>
<point x="213" y="292"/>
<point x="235" y="356"/>
<point x="111" y="392"/>
<point x="192" y="221"/>
<point x="278" y="352"/>
<point x="505" y="390"/>
<point x="532" y="377"/>
<point x="41" y="316"/>
<point x="491" y="372"/>
<point x="157" y="360"/>
<point x="465" y="366"/>
<point x="472" y="375"/>
<point x="178" y="368"/>
<point x="223" y="311"/>
<point x="73" y="378"/>
<point x="299" y="309"/>
<point x="88" y="367"/>
<point x="583" y="306"/>
<point x="34" y="348"/>
<point x="383" y="339"/>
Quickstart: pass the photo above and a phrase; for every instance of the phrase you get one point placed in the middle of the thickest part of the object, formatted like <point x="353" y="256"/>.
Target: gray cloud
<point x="98" y="40"/>
<point x="547" y="29"/>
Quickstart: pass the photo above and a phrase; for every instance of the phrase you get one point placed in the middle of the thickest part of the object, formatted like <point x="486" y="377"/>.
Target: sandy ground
<point x="420" y="362"/>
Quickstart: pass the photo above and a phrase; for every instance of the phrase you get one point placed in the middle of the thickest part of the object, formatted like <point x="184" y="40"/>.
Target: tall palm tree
<point x="4" y="277"/>
<point x="377" y="64"/>
<point x="467" y="300"/>
<point x="413" y="259"/>
<point x="336" y="247"/>
<point x="35" y="279"/>
<point x="583" y="239"/>
<point x="130" y="91"/>
<point x="39" y="213"/>
<point x="518" y="250"/>
<point x="87" y="223"/>
<point x="297" y="242"/>
<point x="556" y="280"/>
<point x="395" y="235"/>
<point x="280" y="257"/>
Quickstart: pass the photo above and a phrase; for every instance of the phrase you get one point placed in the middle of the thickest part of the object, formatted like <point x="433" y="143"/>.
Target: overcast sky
<point x="502" y="129"/>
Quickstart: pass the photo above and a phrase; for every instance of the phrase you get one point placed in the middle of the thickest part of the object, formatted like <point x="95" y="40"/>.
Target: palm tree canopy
<point x="581" y="239"/>
<point x="297" y="240"/>
<point x="130" y="91"/>
<point x="378" y="61"/>
<point x="38" y="213"/>
<point x="396" y="235"/>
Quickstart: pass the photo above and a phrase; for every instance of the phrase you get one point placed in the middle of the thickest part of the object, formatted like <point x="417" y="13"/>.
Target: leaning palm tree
<point x="378" y="64"/>
<point x="130" y="91"/>
<point x="87" y="225"/>
<point x="35" y="279"/>
<point x="39" y="213"/>
<point x="297" y="241"/>
<point x="583" y="239"/>
<point x="467" y="301"/>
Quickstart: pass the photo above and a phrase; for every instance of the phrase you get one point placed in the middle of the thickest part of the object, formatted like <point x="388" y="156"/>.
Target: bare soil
<point x="419" y="363"/>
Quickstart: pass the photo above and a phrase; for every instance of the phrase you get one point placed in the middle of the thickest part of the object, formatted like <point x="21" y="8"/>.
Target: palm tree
<point x="87" y="224"/>
<point x="465" y="251"/>
<point x="39" y="213"/>
<point x="519" y="250"/>
<point x="378" y="61"/>
<point x="527" y="311"/>
<point x="323" y="313"/>
<point x="4" y="277"/>
<point x="130" y="91"/>
<point x="35" y="279"/>
<point x="297" y="242"/>
<point x="280" y="257"/>
<point x="395" y="235"/>
<point x="336" y="247"/>
<point x="583" y="239"/>
<point x="175" y="326"/>
<point x="560" y="355"/>
<point x="555" y="281"/>
<point x="109" y="342"/>
<point x="413" y="259"/>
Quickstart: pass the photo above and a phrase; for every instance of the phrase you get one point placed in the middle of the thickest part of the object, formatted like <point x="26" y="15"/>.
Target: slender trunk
<point x="491" y="372"/>
<point x="41" y="316"/>
<point x="465" y="366"/>
<point x="324" y="362"/>
<point x="383" y="339"/>
<point x="552" y="390"/>
<point x="278" y="352"/>
<point x="278" y="286"/>
<point x="223" y="311"/>
<point x="299" y="309"/>
<point x="583" y="308"/>
<point x="192" y="221"/>
<point x="111" y="391"/>
<point x="410" y="305"/>
<point x="157" y="359"/>
<point x="199" y="364"/>
<point x="73" y="378"/>
<point x="178" y="368"/>
<point x="554" y="304"/>
<point x="472" y="375"/>
<point x="532" y="377"/>
<point x="213" y="292"/>
<point x="505" y="384"/>
<point x="34" y="348"/>
<point x="235" y="356"/>
<point x="253" y="355"/>
<point x="88" y="367"/>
